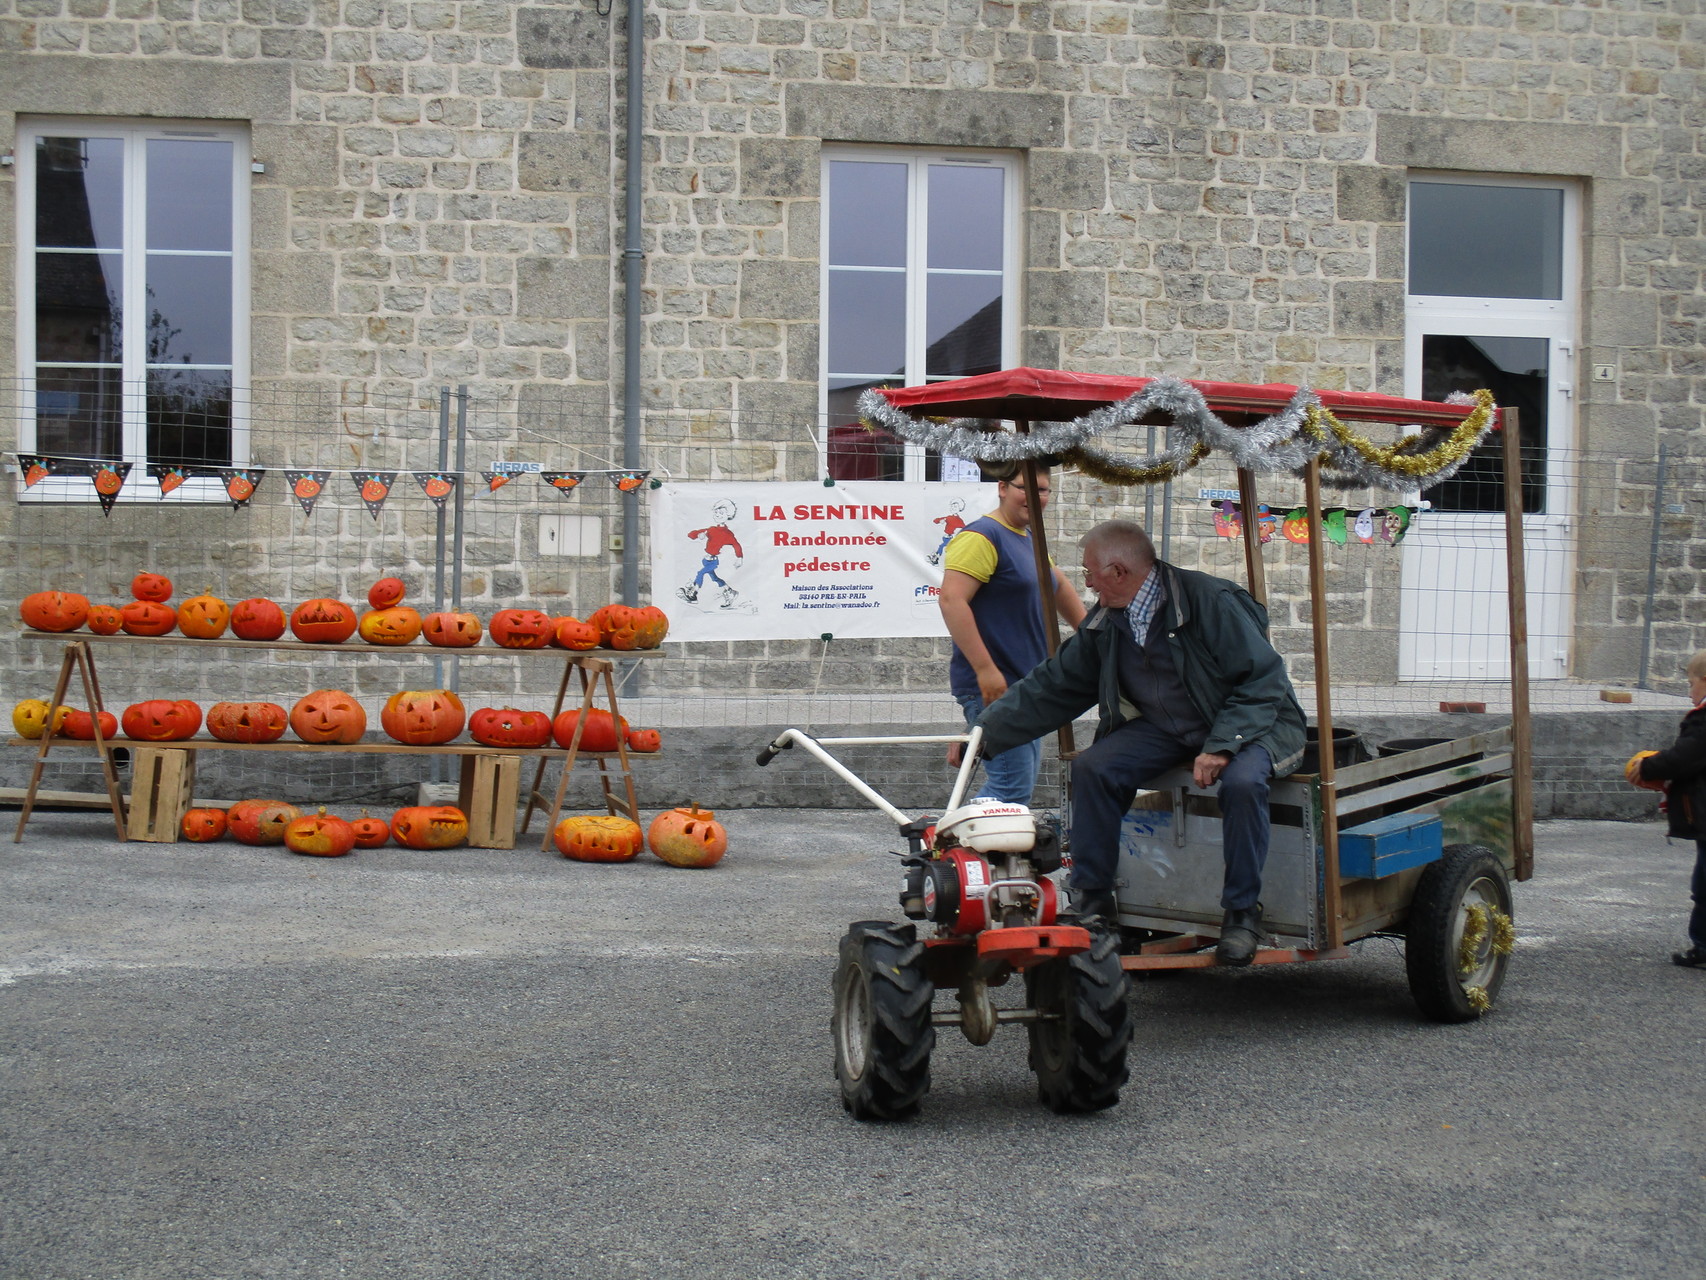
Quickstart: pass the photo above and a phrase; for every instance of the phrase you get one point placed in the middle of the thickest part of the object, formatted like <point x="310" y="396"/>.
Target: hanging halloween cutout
<point x="109" y="478"/>
<point x="37" y="467"/>
<point x="307" y="487"/>
<point x="374" y="487"/>
<point x="564" y="482"/>
<point x="241" y="483"/>
<point x="169" y="477"/>
<point x="437" y="485"/>
<point x="628" y="481"/>
<point x="496" y="480"/>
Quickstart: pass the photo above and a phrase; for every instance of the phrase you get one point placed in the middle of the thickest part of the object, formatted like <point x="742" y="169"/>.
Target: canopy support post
<point x="1522" y="729"/>
<point x="1330" y="899"/>
<point x="1253" y="567"/>
<point x="1067" y="744"/>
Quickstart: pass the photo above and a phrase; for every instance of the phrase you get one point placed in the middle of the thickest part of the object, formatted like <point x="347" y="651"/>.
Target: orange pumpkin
<point x="328" y="715"/>
<point x="572" y="633"/>
<point x="598" y="837"/>
<point x="430" y="826"/>
<point x="247" y="721"/>
<point x="81" y="726"/>
<point x="148" y="618"/>
<point x="260" y="821"/>
<point x="204" y="617"/>
<point x="370" y="832"/>
<point x="423" y="717"/>
<point x="507" y="727"/>
<point x="161" y="720"/>
<point x="202" y="825"/>
<point x="385" y="593"/>
<point x="623" y="627"/>
<point x="257" y="619"/>
<point x="451" y="630"/>
<point x="521" y="628"/>
<point x="319" y="835"/>
<point x="690" y="837"/>
<point x="645" y="741"/>
<point x="105" y="619"/>
<point x="392" y="625"/>
<point x="598" y="735"/>
<point x="151" y="586"/>
<point x="322" y="620"/>
<point x="54" y="610"/>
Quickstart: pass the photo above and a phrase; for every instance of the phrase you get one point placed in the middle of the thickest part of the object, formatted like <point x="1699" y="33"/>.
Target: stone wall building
<point x="1370" y="194"/>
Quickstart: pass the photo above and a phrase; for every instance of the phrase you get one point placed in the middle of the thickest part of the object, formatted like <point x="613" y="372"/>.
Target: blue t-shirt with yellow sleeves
<point x="1007" y="607"/>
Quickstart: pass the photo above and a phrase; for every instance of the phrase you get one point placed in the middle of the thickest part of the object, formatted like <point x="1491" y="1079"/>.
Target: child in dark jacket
<point x="1683" y="767"/>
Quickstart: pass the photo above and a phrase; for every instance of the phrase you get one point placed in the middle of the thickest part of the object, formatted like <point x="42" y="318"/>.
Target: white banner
<point x="779" y="561"/>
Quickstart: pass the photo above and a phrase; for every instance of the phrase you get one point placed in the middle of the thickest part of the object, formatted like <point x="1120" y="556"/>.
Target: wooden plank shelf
<point x="366" y="746"/>
<point x="413" y="649"/>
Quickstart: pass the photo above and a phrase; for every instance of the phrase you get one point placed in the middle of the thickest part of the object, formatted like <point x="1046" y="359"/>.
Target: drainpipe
<point x="633" y="267"/>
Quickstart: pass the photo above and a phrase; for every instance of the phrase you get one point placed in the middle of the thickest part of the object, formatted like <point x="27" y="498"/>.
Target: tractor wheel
<point x="1078" y="1051"/>
<point x="1458" y="939"/>
<point x="882" y="1029"/>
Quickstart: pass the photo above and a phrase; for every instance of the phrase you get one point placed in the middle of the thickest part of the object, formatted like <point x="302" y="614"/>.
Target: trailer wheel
<point x="1078" y="1048"/>
<point x="1458" y="939"/>
<point x="881" y="1025"/>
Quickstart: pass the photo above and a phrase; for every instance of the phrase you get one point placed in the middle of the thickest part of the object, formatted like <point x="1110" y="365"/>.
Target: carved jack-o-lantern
<point x="385" y="593"/>
<point x="598" y="837"/>
<point x="323" y="621"/>
<point x="54" y="610"/>
<point x="395" y="624"/>
<point x="572" y="633"/>
<point x="81" y="725"/>
<point x="204" y="617"/>
<point x="430" y="826"/>
<point x="328" y="715"/>
<point x="507" y="727"/>
<point x="257" y="619"/>
<point x="319" y="835"/>
<point x="148" y="618"/>
<point x="260" y="821"/>
<point x="161" y="720"/>
<point x="451" y="630"/>
<point x="370" y="832"/>
<point x="423" y="717"/>
<point x="521" y="628"/>
<point x="105" y="619"/>
<point x="151" y="586"/>
<point x="202" y="825"/>
<point x="247" y="721"/>
<point x="690" y="837"/>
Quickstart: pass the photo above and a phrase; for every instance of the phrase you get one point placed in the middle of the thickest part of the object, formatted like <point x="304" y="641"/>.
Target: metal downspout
<point x="633" y="264"/>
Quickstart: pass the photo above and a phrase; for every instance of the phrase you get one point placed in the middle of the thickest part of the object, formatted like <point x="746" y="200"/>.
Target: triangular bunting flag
<point x="306" y="487"/>
<point x="496" y="480"/>
<point x="437" y="485"/>
<point x="375" y="487"/>
<point x="109" y="478"/>
<point x="563" y="482"/>
<point x="240" y="484"/>
<point x="169" y="477"/>
<point x="36" y="467"/>
<point x="628" y="481"/>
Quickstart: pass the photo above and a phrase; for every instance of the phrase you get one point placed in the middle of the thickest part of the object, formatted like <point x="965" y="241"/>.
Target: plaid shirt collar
<point x="1145" y="604"/>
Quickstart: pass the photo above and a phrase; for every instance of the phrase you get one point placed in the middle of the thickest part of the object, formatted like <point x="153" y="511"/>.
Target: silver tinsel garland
<point x="1282" y="442"/>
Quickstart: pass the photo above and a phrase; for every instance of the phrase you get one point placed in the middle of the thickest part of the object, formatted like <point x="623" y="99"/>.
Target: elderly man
<point x="1179" y="666"/>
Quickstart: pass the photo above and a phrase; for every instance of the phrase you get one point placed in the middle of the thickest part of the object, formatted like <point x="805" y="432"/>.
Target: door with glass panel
<point x="1493" y="279"/>
<point x="920" y="256"/>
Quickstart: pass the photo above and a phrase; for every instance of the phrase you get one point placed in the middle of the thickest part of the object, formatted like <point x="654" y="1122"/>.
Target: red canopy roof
<point x="1052" y="395"/>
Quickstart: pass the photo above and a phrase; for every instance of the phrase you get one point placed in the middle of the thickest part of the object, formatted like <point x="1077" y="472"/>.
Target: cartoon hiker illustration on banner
<point x="718" y="538"/>
<point x="951" y="524"/>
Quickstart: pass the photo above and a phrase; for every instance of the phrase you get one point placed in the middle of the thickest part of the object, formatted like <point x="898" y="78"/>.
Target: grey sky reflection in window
<point x="1473" y="241"/>
<point x="867" y="214"/>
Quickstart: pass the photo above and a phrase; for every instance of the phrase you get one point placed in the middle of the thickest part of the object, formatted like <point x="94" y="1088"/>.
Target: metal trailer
<point x="1422" y="845"/>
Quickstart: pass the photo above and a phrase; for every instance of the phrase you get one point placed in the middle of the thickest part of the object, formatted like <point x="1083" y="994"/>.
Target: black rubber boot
<point x="1091" y="905"/>
<point x="1693" y="958"/>
<point x="1240" y="932"/>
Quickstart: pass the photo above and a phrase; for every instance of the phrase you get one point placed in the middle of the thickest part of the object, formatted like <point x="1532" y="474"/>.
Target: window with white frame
<point x="132" y="292"/>
<point x="920" y="284"/>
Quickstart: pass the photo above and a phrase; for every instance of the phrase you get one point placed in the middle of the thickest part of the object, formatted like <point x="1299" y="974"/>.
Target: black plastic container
<point x="1347" y="748"/>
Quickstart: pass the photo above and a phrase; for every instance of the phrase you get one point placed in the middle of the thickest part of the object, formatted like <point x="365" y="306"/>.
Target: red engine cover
<point x="973" y="875"/>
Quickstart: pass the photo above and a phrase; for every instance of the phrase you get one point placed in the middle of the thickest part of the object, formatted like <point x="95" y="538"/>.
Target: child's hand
<point x="1632" y="771"/>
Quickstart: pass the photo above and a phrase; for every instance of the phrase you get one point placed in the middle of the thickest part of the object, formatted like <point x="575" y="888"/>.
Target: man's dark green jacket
<point x="1218" y="636"/>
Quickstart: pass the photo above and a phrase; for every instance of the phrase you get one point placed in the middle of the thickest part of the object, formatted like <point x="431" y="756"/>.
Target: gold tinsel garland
<point x="1110" y="472"/>
<point x="1453" y="449"/>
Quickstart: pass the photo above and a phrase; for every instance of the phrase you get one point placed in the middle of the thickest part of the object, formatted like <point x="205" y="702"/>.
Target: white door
<point x="1468" y="239"/>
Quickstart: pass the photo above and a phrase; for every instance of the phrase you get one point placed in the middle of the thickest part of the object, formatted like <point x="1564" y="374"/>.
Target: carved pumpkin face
<point x="370" y="832"/>
<point x="423" y="717"/>
<point x="645" y="741"/>
<point x="319" y="835"/>
<point x="690" y="837"/>
<point x="451" y="630"/>
<point x="430" y="826"/>
<point x="572" y="633"/>
<point x="202" y="825"/>
<point x="147" y="618"/>
<point x="397" y="624"/>
<point x="54" y="610"/>
<point x="598" y="837"/>
<point x="328" y="715"/>
<point x="257" y="619"/>
<point x="81" y="726"/>
<point x="161" y="720"/>
<point x="204" y="617"/>
<point x="507" y="727"/>
<point x="521" y="628"/>
<point x="323" y="621"/>
<point x="598" y="735"/>
<point x="622" y="627"/>
<point x="385" y="593"/>
<point x="151" y="586"/>
<point x="29" y="718"/>
<point x="105" y="619"/>
<point x="247" y="721"/>
<point x="260" y="821"/>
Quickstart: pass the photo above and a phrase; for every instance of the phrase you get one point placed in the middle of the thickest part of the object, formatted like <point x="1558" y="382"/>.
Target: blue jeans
<point x="1106" y="777"/>
<point x="1012" y="775"/>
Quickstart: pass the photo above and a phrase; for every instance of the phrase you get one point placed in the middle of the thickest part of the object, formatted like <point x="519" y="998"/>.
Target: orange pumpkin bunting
<point x="105" y="619"/>
<point x="257" y="619"/>
<point x="328" y="715"/>
<point x="451" y="630"/>
<point x="247" y="721"/>
<point x="319" y="835"/>
<point x="430" y="826"/>
<point x="151" y="586"/>
<point x="598" y="837"/>
<point x="161" y="720"/>
<point x="202" y="825"/>
<point x="690" y="837"/>
<point x="204" y="617"/>
<point x="147" y="618"/>
<point x="323" y="621"/>
<point x="521" y="628"/>
<point x="54" y="610"/>
<point x="423" y="717"/>
<point x="260" y="821"/>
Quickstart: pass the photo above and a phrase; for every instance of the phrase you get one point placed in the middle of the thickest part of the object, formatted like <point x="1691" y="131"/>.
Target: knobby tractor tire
<point x="1453" y="980"/>
<point x="1079" y="1049"/>
<point x="881" y="1025"/>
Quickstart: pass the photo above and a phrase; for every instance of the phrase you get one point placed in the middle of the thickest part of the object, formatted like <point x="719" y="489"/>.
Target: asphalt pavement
<point x="231" y="1062"/>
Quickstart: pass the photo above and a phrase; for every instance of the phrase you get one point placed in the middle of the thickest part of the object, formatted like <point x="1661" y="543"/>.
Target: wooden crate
<point x="162" y="784"/>
<point x="491" y="786"/>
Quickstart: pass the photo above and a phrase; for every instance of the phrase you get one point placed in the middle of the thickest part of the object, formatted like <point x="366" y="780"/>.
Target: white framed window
<point x="133" y="297"/>
<point x="920" y="283"/>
